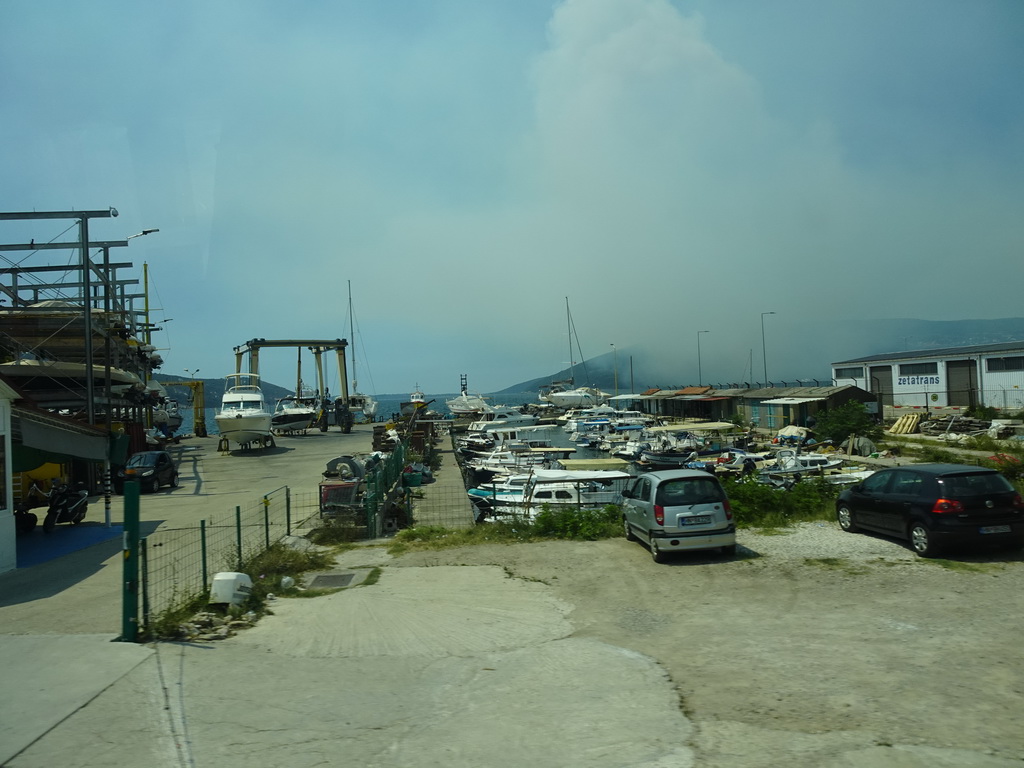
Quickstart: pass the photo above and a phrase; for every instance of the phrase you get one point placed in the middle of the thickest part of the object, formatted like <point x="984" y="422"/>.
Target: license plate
<point x="698" y="520"/>
<point x="995" y="529"/>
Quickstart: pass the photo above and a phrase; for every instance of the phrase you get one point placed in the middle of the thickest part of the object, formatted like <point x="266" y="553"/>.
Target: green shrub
<point x="757" y="505"/>
<point x="572" y="523"/>
<point x="850" y="418"/>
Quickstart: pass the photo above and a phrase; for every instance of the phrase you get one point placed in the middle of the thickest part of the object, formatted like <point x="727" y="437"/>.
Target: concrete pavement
<point x="430" y="666"/>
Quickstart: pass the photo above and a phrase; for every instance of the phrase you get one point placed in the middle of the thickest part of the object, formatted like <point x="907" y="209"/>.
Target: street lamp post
<point x="615" y="368"/>
<point x="764" y="355"/>
<point x="700" y="377"/>
<point x="192" y="373"/>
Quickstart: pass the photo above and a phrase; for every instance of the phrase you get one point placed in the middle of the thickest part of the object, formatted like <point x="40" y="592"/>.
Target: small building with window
<point x="956" y="378"/>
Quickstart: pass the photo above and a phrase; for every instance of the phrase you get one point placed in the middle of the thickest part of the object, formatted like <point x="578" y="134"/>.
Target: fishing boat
<point x="363" y="407"/>
<point x="417" y="400"/>
<point x="243" y="417"/>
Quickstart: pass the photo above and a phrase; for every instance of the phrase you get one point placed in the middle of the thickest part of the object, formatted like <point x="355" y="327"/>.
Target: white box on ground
<point x="231" y="588"/>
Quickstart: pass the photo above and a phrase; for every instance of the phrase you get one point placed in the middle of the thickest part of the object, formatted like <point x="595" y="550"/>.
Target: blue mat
<point x="39" y="547"/>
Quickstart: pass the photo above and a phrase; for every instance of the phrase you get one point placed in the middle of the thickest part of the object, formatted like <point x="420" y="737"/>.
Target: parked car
<point x="676" y="510"/>
<point x="151" y="468"/>
<point x="935" y="506"/>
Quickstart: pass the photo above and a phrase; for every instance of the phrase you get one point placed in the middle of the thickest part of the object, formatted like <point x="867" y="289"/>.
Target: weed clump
<point x="757" y="505"/>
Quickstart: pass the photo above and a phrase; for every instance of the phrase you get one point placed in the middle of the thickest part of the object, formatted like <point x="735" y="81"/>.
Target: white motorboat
<point x="243" y="417"/>
<point x="526" y="495"/>
<point x="578" y="397"/>
<point x="789" y="461"/>
<point x="34" y="376"/>
<point x="294" y="414"/>
<point x="466" y="404"/>
<point x="484" y="441"/>
<point x="516" y="457"/>
<point x="501" y="417"/>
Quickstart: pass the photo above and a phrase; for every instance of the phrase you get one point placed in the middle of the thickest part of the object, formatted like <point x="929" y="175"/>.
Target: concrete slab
<point x="46" y="678"/>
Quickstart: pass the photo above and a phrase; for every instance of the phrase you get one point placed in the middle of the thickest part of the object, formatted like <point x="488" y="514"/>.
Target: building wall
<point x="952" y="381"/>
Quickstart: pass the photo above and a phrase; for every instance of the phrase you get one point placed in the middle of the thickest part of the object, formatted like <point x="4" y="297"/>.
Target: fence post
<point x="202" y="548"/>
<point x="238" y="534"/>
<point x="130" y="570"/>
<point x="288" y="510"/>
<point x="266" y="522"/>
<point x="144" y="564"/>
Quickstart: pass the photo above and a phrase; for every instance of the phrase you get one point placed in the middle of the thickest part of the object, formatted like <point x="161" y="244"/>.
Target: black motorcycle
<point x="66" y="505"/>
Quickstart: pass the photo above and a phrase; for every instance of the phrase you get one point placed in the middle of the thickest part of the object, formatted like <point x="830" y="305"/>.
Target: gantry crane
<point x="198" y="404"/>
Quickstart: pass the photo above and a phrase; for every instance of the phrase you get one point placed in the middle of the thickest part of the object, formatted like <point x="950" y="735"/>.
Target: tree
<point x="850" y="418"/>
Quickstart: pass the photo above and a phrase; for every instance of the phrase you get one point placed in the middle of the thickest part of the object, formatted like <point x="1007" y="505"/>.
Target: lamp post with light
<point x="764" y="355"/>
<point x="700" y="377"/>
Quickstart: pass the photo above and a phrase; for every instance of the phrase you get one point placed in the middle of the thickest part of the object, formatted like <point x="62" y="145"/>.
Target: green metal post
<point x="238" y="534"/>
<point x="130" y="577"/>
<point x="288" y="510"/>
<point x="266" y="522"/>
<point x="144" y="563"/>
<point x="202" y="546"/>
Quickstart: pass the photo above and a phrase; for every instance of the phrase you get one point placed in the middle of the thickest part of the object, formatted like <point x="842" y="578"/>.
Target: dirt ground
<point x="810" y="644"/>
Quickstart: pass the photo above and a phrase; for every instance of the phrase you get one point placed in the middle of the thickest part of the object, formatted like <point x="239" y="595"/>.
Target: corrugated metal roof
<point x="919" y="354"/>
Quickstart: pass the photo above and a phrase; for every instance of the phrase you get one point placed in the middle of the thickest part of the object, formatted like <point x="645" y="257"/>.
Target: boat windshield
<point x="239" y="405"/>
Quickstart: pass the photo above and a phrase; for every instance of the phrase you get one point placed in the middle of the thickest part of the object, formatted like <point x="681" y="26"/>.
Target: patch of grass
<point x="337" y="531"/>
<point x="269" y="567"/>
<point x="318" y="592"/>
<point x="960" y="566"/>
<point x="168" y="624"/>
<point x="372" y="577"/>
<point x="550" y="523"/>
<point x="836" y="564"/>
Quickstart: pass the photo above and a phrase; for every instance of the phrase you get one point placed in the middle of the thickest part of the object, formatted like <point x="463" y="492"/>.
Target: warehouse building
<point x="954" y="378"/>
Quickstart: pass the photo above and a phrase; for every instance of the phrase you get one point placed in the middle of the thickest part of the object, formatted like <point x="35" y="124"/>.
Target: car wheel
<point x="922" y="541"/>
<point x="630" y="536"/>
<point x="154" y="485"/>
<point x="658" y="555"/>
<point x="845" y="517"/>
<point x="174" y="480"/>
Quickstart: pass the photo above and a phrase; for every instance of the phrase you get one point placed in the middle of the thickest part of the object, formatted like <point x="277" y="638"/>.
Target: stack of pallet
<point x="905" y="424"/>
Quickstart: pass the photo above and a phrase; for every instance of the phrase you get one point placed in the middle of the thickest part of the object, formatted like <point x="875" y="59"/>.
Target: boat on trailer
<point x="243" y="417"/>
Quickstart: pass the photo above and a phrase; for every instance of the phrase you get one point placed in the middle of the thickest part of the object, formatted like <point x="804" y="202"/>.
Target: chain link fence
<point x="178" y="564"/>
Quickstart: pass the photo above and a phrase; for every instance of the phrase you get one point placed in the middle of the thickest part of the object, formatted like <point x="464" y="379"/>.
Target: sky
<point x="473" y="167"/>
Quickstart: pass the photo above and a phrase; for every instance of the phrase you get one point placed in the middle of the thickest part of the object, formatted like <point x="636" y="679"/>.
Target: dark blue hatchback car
<point x="935" y="506"/>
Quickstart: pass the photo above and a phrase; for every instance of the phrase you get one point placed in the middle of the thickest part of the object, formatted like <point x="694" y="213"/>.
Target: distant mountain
<point x="213" y="390"/>
<point x="826" y="343"/>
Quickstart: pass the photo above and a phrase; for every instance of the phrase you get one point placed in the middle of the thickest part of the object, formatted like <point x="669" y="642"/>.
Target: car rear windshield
<point x="957" y="486"/>
<point x="675" y="493"/>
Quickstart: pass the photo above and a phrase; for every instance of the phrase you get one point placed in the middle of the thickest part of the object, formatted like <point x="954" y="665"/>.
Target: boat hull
<point x="244" y="428"/>
<point x="298" y="420"/>
<point x="584" y="397"/>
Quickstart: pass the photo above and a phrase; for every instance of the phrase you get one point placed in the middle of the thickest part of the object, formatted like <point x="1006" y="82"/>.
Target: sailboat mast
<point x="298" y="373"/>
<point x="352" y="333"/>
<point x="572" y="362"/>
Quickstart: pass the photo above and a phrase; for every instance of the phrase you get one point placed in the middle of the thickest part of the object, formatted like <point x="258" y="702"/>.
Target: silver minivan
<point x="676" y="510"/>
